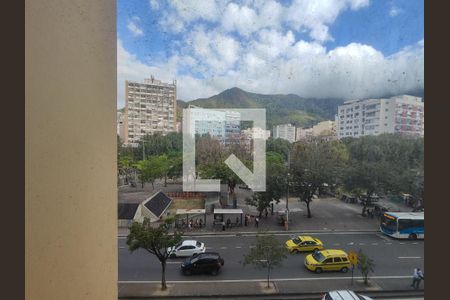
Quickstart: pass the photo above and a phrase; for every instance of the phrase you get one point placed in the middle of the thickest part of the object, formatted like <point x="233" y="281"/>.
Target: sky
<point x="346" y="49"/>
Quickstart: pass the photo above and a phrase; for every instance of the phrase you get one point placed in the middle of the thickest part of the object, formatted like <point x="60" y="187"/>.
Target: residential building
<point x="402" y="114"/>
<point x="150" y="107"/>
<point x="284" y="131"/>
<point x="120" y="125"/>
<point x="220" y="124"/>
<point x="303" y="133"/>
<point x="325" y="128"/>
<point x="247" y="136"/>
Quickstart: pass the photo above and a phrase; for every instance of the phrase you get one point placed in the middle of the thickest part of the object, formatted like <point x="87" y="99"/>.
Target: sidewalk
<point x="285" y="287"/>
<point x="328" y="215"/>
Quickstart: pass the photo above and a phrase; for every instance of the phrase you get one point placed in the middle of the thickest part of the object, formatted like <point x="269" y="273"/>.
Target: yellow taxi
<point x="303" y="243"/>
<point x="328" y="260"/>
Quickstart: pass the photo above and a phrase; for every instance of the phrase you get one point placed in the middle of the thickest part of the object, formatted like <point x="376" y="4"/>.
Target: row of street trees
<point x="386" y="164"/>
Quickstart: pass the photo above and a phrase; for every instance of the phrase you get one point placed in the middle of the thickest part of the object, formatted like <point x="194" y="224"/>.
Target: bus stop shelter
<point x="191" y="213"/>
<point x="222" y="214"/>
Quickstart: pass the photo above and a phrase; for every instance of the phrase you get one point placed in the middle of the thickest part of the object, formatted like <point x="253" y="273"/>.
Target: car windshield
<point x="199" y="244"/>
<point x="318" y="256"/>
<point x="297" y="241"/>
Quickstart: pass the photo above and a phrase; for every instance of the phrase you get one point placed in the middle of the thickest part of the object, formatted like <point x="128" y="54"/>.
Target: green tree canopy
<point x="267" y="254"/>
<point x="154" y="240"/>
<point x="314" y="164"/>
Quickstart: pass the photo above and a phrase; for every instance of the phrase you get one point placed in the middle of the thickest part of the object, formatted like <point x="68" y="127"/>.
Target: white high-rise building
<point x="284" y="131"/>
<point x="399" y="114"/>
<point x="150" y="107"/>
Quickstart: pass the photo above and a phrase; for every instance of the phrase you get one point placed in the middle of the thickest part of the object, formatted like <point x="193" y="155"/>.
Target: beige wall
<point x="70" y="154"/>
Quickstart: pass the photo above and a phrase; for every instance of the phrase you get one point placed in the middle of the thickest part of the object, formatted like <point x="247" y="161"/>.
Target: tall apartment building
<point x="399" y="114"/>
<point x="150" y="107"/>
<point x="284" y="131"/>
<point x="247" y="136"/>
<point x="120" y="125"/>
<point x="222" y="125"/>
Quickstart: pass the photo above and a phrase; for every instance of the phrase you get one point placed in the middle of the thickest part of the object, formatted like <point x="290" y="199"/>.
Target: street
<point x="394" y="259"/>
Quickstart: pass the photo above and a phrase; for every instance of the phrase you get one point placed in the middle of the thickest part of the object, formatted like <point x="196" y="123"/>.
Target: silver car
<point x="186" y="249"/>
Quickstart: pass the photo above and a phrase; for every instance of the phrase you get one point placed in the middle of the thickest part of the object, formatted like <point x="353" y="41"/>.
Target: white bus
<point x="403" y="225"/>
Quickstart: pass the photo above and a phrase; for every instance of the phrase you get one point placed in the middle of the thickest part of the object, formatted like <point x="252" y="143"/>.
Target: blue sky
<point x="322" y="48"/>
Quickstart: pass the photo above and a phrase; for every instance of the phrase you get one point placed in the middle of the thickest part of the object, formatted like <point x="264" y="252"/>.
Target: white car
<point x="186" y="249"/>
<point x="344" y="295"/>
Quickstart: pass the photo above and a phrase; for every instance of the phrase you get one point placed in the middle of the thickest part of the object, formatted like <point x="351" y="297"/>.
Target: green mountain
<point x="281" y="109"/>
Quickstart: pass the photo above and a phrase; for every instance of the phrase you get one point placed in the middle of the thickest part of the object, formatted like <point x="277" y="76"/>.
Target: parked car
<point x="328" y="260"/>
<point x="303" y="243"/>
<point x="344" y="295"/>
<point x="207" y="262"/>
<point x="186" y="248"/>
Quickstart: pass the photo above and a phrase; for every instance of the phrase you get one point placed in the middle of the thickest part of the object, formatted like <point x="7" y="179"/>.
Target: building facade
<point x="399" y="114"/>
<point x="120" y="125"/>
<point x="284" y="131"/>
<point x="150" y="107"/>
<point x="219" y="124"/>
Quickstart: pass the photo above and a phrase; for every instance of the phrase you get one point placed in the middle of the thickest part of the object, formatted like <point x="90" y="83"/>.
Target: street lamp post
<point x="287" y="191"/>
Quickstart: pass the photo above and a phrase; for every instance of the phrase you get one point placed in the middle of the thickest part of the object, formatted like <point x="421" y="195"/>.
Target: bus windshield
<point x="389" y="222"/>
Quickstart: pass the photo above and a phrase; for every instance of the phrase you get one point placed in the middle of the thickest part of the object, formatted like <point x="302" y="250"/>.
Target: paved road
<point x="393" y="258"/>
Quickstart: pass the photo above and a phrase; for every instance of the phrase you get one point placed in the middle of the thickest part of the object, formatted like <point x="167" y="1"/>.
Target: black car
<point x="207" y="262"/>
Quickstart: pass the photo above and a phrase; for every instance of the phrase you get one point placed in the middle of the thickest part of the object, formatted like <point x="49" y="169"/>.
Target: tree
<point x="384" y="164"/>
<point x="152" y="168"/>
<point x="154" y="240"/>
<point x="314" y="164"/>
<point x="365" y="265"/>
<point x="267" y="254"/>
<point x="275" y="183"/>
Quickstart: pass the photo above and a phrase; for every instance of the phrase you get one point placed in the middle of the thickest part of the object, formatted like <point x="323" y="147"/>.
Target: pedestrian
<point x="246" y="220"/>
<point x="266" y="213"/>
<point x="256" y="222"/>
<point x="228" y="223"/>
<point x="237" y="221"/>
<point x="223" y="226"/>
<point x="417" y="278"/>
<point x="200" y="223"/>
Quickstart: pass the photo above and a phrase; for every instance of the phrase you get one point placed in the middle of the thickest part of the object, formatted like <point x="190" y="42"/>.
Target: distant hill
<point x="281" y="109"/>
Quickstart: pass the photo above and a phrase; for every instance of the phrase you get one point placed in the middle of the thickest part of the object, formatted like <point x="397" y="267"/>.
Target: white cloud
<point x="218" y="52"/>
<point x="316" y="16"/>
<point x="253" y="45"/>
<point x="154" y="4"/>
<point x="134" y="28"/>
<point x="394" y="11"/>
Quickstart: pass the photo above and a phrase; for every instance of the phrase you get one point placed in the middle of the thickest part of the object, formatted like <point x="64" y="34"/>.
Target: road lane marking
<point x="223" y="247"/>
<point x="409" y="257"/>
<point x="252" y="247"/>
<point x="350" y="243"/>
<point x="402" y="243"/>
<point x="121" y="247"/>
<point x="264" y="279"/>
<point x="382" y="236"/>
<point x="388" y="243"/>
<point x="238" y="247"/>
<point x="375" y="244"/>
<point x="254" y="234"/>
<point x="361" y="244"/>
